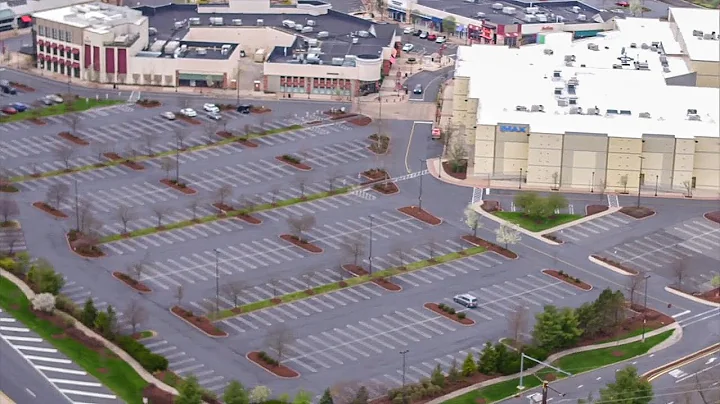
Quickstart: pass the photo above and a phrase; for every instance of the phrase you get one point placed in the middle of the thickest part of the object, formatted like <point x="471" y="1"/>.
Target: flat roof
<point x="91" y="15"/>
<point x="519" y="79"/>
<point x="698" y="19"/>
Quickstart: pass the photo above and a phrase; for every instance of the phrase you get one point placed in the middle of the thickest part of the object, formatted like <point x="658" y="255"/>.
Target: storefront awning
<point x="26" y="19"/>
<point x="218" y="78"/>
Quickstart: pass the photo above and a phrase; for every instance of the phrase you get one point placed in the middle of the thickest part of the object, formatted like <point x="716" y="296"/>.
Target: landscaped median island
<point x="85" y="245"/>
<point x="201" y="323"/>
<point x="357" y="270"/>
<point x="450" y="313"/>
<point x="45" y="207"/>
<point x="302" y="243"/>
<point x="357" y="280"/>
<point x="294" y="162"/>
<point x="272" y="365"/>
<point x="637" y="212"/>
<point x="71" y="104"/>
<point x="380" y="180"/>
<point x="490" y="246"/>
<point x="178" y="185"/>
<point x="132" y="282"/>
<point x="619" y="266"/>
<point x="567" y="278"/>
<point x="421" y="215"/>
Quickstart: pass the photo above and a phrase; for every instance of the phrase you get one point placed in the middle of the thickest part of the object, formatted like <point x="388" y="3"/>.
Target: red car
<point x="432" y="37"/>
<point x="622" y="4"/>
<point x="9" y="110"/>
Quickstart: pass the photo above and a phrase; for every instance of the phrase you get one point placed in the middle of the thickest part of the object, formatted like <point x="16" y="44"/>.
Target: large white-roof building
<point x="698" y="32"/>
<point x="586" y="114"/>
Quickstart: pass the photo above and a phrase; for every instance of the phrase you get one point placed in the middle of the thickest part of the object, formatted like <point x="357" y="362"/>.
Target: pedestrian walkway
<point x="70" y="380"/>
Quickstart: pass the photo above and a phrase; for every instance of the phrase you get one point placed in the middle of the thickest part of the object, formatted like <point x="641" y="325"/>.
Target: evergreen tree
<point x="89" y="313"/>
<point x="555" y="329"/>
<point x="189" y="392"/>
<point x="362" y="396"/>
<point x="469" y="366"/>
<point x="502" y="356"/>
<point x="326" y="398"/>
<point x="454" y="372"/>
<point x="628" y="388"/>
<point x="488" y="362"/>
<point x="302" y="397"/>
<point x="235" y="393"/>
<point x="438" y="378"/>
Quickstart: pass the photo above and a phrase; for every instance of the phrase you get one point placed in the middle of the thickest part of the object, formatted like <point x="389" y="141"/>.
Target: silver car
<point x="214" y="116"/>
<point x="55" y="98"/>
<point x="168" y="115"/>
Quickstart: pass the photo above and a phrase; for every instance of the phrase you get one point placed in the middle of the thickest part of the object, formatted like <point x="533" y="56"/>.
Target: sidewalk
<point x="5" y="399"/>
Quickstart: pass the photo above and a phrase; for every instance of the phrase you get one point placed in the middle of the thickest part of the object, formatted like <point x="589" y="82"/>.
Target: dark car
<point x="8" y="90"/>
<point x="19" y="106"/>
<point x="8" y="110"/>
<point x="418" y="89"/>
<point x="417" y="33"/>
<point x="244" y="108"/>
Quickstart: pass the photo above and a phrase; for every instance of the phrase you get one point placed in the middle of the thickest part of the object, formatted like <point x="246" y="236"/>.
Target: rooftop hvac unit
<point x="642" y="66"/>
<point x="655" y="44"/>
<point x="201" y="51"/>
<point x="179" y="24"/>
<point x="194" y="21"/>
<point x="557" y="74"/>
<point x="541" y="17"/>
<point x="497" y="6"/>
<point x="645" y="115"/>
<point x="645" y="46"/>
<point x="537" y="108"/>
<point x="611" y="112"/>
<point x="363" y="34"/>
<point x="323" y="34"/>
<point x="694" y="117"/>
<point x="593" y="47"/>
<point x="576" y="9"/>
<point x="692" y="111"/>
<point x="558" y="91"/>
<point x="260" y="22"/>
<point x="569" y="58"/>
<point x="593" y="111"/>
<point x="216" y="21"/>
<point x="582" y="17"/>
<point x="697" y="32"/>
<point x="356" y="40"/>
<point x="575" y="110"/>
<point x="529" y="18"/>
<point x="633" y="45"/>
<point x="311" y="23"/>
<point x="625" y="112"/>
<point x="288" y="24"/>
<point x="312" y="42"/>
<point x="508" y="10"/>
<point x="337" y="61"/>
<point x="548" y="51"/>
<point x="573" y="82"/>
<point x="236" y="21"/>
<point x="617" y="66"/>
<point x="521" y="108"/>
<point x="666" y="69"/>
<point x="298" y="27"/>
<point x="708" y="36"/>
<point x="562" y="102"/>
<point x="531" y="10"/>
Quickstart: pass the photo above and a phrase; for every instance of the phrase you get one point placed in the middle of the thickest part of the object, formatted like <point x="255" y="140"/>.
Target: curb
<point x="413" y="217"/>
<point x="247" y="356"/>
<point x="197" y="328"/>
<point x="691" y="297"/>
<point x="668" y="367"/>
<point x="567" y="282"/>
<point x="608" y="266"/>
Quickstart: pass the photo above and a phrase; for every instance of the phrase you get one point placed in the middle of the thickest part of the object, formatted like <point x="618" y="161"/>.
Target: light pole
<point x="520" y="179"/>
<point x="592" y="183"/>
<point x="77" y="207"/>
<point x="177" y="162"/>
<point x="370" y="256"/>
<point x="640" y="180"/>
<point x="217" y="280"/>
<point x="645" y="308"/>
<point x="403" y="353"/>
<point x="421" y="185"/>
<point x="657" y="178"/>
<point x="237" y="82"/>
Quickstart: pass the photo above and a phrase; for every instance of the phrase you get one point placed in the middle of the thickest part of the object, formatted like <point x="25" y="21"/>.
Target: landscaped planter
<point x="386" y="188"/>
<point x="553" y="238"/>
<point x="382" y="282"/>
<point x="74" y="239"/>
<point x="304" y="244"/>
<point x="595" y="209"/>
<point x="37" y="121"/>
<point x="490" y="206"/>
<point x="126" y="279"/>
<point x="562" y="276"/>
<point x="278" y="369"/>
<point x="637" y="213"/>
<point x="127" y="163"/>
<point x="375" y="174"/>
<point x="451" y="315"/>
<point x="260" y="110"/>
<point x="490" y="246"/>
<point x="361" y="121"/>
<point x="459" y="171"/>
<point x="292" y="161"/>
<point x="713" y="216"/>
<point x="188" y="119"/>
<point x="74" y="139"/>
<point x="22" y="87"/>
<point x="148" y="103"/>
<point x="248" y="218"/>
<point x="178" y="186"/>
<point x="616" y="264"/>
<point x="420" y="214"/>
<point x="50" y="210"/>
<point x="201" y="323"/>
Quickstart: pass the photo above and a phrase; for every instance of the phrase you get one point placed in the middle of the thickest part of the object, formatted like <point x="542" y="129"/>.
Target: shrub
<point x="291" y="158"/>
<point x="536" y="352"/>
<point x="45" y="279"/>
<point x="8" y="264"/>
<point x="461" y="315"/>
<point x="44" y="302"/>
<point x="561" y="272"/>
<point x="425" y="382"/>
<point x="64" y="303"/>
<point x="433" y="390"/>
<point x="148" y="360"/>
<point x="398" y="399"/>
<point x="442" y="306"/>
<point x="451" y="310"/>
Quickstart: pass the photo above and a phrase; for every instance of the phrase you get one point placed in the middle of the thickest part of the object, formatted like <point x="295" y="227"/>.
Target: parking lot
<point x="586" y="232"/>
<point x="694" y="242"/>
<point x="12" y="240"/>
<point x="68" y="378"/>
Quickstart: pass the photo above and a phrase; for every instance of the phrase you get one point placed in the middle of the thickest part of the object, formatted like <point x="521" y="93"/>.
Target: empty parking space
<point x="586" y="231"/>
<point x="12" y="240"/>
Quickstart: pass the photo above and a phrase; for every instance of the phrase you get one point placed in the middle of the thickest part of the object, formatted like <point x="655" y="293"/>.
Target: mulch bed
<point x="637" y="213"/>
<point x="49" y="209"/>
<point x="90" y="252"/>
<point x="595" y="209"/>
<point x="616" y="264"/>
<point x="278" y="370"/>
<point x="375" y="174"/>
<point x="299" y="166"/>
<point x="654" y="320"/>
<point x="552" y="238"/>
<point x="179" y="187"/>
<point x="711" y="295"/>
<point x="436" y="309"/>
<point x="382" y="282"/>
<point x="566" y="278"/>
<point x="247" y="143"/>
<point x="74" y="139"/>
<point x="334" y="116"/>
<point x="156" y="395"/>
<point x="201" y="322"/>
<point x="22" y="87"/>
<point x="448" y="169"/>
<point x="249" y="219"/>
<point x="225" y="134"/>
<point x="490" y="206"/>
<point x="127" y="163"/>
<point x="37" y="121"/>
<point x="260" y="110"/>
<point x="449" y="387"/>
<point x="302" y="243"/>
<point x="139" y="286"/>
<point x="148" y="103"/>
<point x="361" y="121"/>
<point x="490" y="246"/>
<point x="386" y="188"/>
<point x="420" y="214"/>
<point x="187" y="119"/>
<point x="713" y="216"/>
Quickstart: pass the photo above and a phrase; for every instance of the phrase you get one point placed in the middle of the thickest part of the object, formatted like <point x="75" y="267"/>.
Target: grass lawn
<point x="526" y="223"/>
<point x="113" y="372"/>
<point x="58" y="109"/>
<point x="575" y="363"/>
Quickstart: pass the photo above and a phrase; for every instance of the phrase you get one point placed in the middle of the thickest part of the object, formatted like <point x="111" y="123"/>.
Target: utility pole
<point x="544" y="392"/>
<point x="657" y="179"/>
<point x="217" y="280"/>
<point x="520" y="180"/>
<point x="521" y="386"/>
<point x="77" y="207"/>
<point x="404" y="394"/>
<point x="422" y="162"/>
<point x="237" y="82"/>
<point x="592" y="183"/>
<point x="370" y="255"/>
<point x="177" y="162"/>
<point x="645" y="309"/>
<point x="640" y="180"/>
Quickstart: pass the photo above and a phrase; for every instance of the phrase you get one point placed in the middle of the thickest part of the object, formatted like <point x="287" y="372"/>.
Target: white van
<point x="466" y="300"/>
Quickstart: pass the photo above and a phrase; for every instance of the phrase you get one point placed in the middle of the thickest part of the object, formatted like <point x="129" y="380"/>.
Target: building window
<point x="41" y="30"/>
<point x="76" y="72"/>
<point x="55" y="51"/>
<point x="76" y="55"/>
<point x="61" y="35"/>
<point x="41" y="48"/>
<point x="54" y="33"/>
<point x="68" y="36"/>
<point x="62" y="53"/>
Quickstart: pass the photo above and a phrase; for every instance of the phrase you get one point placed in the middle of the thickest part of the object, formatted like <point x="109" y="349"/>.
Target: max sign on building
<point x="513" y="129"/>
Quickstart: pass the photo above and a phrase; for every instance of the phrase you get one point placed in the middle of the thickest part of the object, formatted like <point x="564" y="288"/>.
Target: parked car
<point x="45" y="101"/>
<point x="441" y="39"/>
<point x="408" y="47"/>
<point x="466" y="300"/>
<point x="189" y="112"/>
<point x="19" y="106"/>
<point x="55" y="98"/>
<point x="8" y="90"/>
<point x="8" y="110"/>
<point x="409" y="30"/>
<point x="431" y="37"/>
<point x="168" y="115"/>
<point x="418" y="89"/>
<point x="211" y="108"/>
<point x="623" y="4"/>
<point x="423" y="35"/>
<point x="417" y="33"/>
<point x="214" y="116"/>
<point x="244" y="108"/>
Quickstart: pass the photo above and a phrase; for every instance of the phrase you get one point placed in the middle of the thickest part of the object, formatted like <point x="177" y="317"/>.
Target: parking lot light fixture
<point x="592" y="183"/>
<point x="645" y="309"/>
<point x="422" y="164"/>
<point x="77" y="207"/>
<point x="217" y="280"/>
<point x="370" y="254"/>
<point x="520" y="179"/>
<point x="404" y="394"/>
<point x="640" y="180"/>
<point x="657" y="179"/>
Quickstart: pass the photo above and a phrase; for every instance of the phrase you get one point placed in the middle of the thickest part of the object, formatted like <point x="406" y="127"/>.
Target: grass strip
<point x="78" y="105"/>
<point x="110" y="370"/>
<point x="138" y="159"/>
<point x="357" y="280"/>
<point x="520" y="219"/>
<point x="234" y="213"/>
<point x="579" y="362"/>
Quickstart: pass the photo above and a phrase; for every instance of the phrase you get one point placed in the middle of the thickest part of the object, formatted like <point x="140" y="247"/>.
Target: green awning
<point x="201" y="77"/>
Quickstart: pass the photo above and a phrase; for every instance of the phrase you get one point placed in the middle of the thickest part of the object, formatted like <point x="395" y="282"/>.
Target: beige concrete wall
<point x="707" y="163"/>
<point x="708" y="73"/>
<point x="623" y="163"/>
<point x="511" y="153"/>
<point x="544" y="159"/>
<point x="248" y="39"/>
<point x="684" y="161"/>
<point x="484" y="151"/>
<point x="584" y="160"/>
<point x="659" y="152"/>
<point x="363" y="72"/>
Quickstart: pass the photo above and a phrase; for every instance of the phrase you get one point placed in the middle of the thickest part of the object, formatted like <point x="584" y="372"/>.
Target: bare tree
<point x="149" y="139"/>
<point x="160" y="212"/>
<point x="278" y="340"/>
<point x="432" y="247"/>
<point x="125" y="214"/>
<point x="74" y="123"/>
<point x="344" y="392"/>
<point x="518" y="323"/>
<point x="210" y="129"/>
<point x="180" y="136"/>
<point x="131" y="152"/>
<point x="136" y="270"/>
<point x="400" y="254"/>
<point x="688" y="188"/>
<point x="179" y="294"/>
<point x="8" y="208"/>
<point x="65" y="153"/>
<point x="308" y="278"/>
<point x="233" y="291"/>
<point x="634" y="282"/>
<point x="57" y="194"/>
<point x="354" y="246"/>
<point x="302" y="184"/>
<point x="193" y="206"/>
<point x="84" y="215"/>
<point x="11" y="238"/>
<point x="90" y="233"/>
<point x="222" y="194"/>
<point x="679" y="269"/>
<point x="274" y="194"/>
<point x="506" y="234"/>
<point x="99" y="149"/>
<point x="273" y="285"/>
<point x="299" y="225"/>
<point x="332" y="181"/>
<point x="167" y="164"/>
<point x="135" y="314"/>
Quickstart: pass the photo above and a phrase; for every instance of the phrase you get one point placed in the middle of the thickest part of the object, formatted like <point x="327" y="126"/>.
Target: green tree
<point x="555" y="329"/>
<point x="235" y="393"/>
<point x="437" y="377"/>
<point x="22" y="263"/>
<point x="556" y="201"/>
<point x="454" y="372"/>
<point x="302" y="397"/>
<point x="628" y="388"/>
<point x="362" y="396"/>
<point x="469" y="366"/>
<point x="533" y="205"/>
<point x="502" y="356"/>
<point x="189" y="392"/>
<point x="43" y="276"/>
<point x="715" y="282"/>
<point x="610" y="308"/>
<point x="488" y="363"/>
<point x="570" y="329"/>
<point x="89" y="313"/>
<point x="102" y="323"/>
<point x="449" y="24"/>
<point x="326" y="398"/>
<point x="588" y="320"/>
